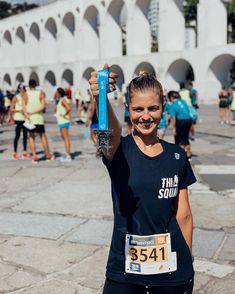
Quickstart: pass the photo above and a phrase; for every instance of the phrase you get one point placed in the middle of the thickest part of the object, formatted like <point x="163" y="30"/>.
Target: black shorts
<point x="112" y="287"/>
<point x="223" y="104"/>
<point x="40" y="129"/>
<point x="182" y="131"/>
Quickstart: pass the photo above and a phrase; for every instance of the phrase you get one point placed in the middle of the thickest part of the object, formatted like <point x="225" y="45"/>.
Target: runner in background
<point x="77" y="97"/>
<point x="185" y="94"/>
<point x="181" y="123"/>
<point x="63" y="112"/>
<point x="232" y="106"/>
<point x="127" y="119"/>
<point x="33" y="106"/>
<point x="164" y="122"/>
<point x="16" y="110"/>
<point x="93" y="121"/>
<point x="224" y="112"/>
<point x="195" y="104"/>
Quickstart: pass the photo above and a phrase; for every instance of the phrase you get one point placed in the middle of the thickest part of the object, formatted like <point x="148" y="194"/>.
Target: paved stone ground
<point x="56" y="219"/>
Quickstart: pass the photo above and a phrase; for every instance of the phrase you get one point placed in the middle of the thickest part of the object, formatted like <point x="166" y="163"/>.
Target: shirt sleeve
<point x="187" y="177"/>
<point x="114" y="165"/>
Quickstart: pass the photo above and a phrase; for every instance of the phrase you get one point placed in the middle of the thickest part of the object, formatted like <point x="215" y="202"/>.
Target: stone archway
<point x="121" y="79"/>
<point x="144" y="66"/>
<point x="7" y="84"/>
<point x="50" y="84"/>
<point x="90" y="33"/>
<point x="180" y="71"/>
<point x="67" y="78"/>
<point x="34" y="76"/>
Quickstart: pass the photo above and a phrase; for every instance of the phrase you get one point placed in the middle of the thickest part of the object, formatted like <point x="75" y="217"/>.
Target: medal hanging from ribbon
<point x="103" y="133"/>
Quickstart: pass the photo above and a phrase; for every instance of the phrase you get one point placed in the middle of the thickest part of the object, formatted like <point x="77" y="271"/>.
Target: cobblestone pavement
<point x="56" y="218"/>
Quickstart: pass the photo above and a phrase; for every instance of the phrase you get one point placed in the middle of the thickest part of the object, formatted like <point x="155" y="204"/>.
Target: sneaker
<point x="51" y="158"/>
<point x="26" y="156"/>
<point x="15" y="156"/>
<point x="65" y="159"/>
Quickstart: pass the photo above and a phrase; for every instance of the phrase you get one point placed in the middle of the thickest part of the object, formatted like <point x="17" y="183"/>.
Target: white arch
<point x="219" y="69"/>
<point x="90" y="33"/>
<point x="112" y="27"/>
<point x="7" y="38"/>
<point x="50" y="77"/>
<point x="68" y="45"/>
<point x="67" y="78"/>
<point x="20" y="34"/>
<point x="49" y="84"/>
<point x="121" y="79"/>
<point x="69" y="23"/>
<point x="139" y="33"/>
<point x="35" y="31"/>
<point x="180" y="71"/>
<point x="6" y="82"/>
<point x="85" y="78"/>
<point x="19" y="78"/>
<point x="51" y="28"/>
<point x="144" y="66"/>
<point x="34" y="76"/>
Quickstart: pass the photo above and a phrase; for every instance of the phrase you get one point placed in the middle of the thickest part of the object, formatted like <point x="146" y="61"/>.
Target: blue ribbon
<point x="103" y="84"/>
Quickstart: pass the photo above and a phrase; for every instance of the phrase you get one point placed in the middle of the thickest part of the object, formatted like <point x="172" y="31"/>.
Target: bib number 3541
<point x="149" y="254"/>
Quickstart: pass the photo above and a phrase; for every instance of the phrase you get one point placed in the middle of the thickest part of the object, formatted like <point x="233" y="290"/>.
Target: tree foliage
<point x="190" y="11"/>
<point x="6" y="9"/>
<point x="231" y="20"/>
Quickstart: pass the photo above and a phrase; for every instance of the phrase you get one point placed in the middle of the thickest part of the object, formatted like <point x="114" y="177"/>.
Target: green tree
<point x="5" y="9"/>
<point x="190" y="12"/>
<point x="231" y="21"/>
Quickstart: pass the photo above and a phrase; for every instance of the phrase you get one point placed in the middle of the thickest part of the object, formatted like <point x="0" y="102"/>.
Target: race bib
<point x="149" y="255"/>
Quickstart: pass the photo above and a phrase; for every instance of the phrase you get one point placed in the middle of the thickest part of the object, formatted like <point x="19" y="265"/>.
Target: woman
<point x="224" y="112"/>
<point x="17" y="110"/>
<point x="152" y="236"/>
<point x="63" y="110"/>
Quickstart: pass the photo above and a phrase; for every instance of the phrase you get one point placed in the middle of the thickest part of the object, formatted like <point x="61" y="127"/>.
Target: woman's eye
<point x="153" y="108"/>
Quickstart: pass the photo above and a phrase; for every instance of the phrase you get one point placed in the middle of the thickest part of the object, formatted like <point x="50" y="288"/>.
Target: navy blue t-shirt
<point x="145" y="204"/>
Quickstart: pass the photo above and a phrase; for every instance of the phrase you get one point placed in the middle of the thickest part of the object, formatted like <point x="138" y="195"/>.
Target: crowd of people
<point x="25" y="109"/>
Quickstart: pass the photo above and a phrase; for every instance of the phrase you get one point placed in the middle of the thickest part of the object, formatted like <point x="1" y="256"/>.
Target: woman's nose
<point x="146" y="115"/>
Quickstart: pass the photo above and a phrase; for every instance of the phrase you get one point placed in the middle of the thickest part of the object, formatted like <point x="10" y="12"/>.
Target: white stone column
<point x="171" y="25"/>
<point x="212" y="23"/>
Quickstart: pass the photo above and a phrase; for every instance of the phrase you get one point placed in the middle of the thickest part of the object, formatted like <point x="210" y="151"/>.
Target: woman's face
<point x="145" y="111"/>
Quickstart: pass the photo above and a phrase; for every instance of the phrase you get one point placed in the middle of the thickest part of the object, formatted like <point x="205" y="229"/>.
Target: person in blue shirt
<point x="181" y="122"/>
<point x="151" y="244"/>
<point x="193" y="95"/>
<point x="163" y="124"/>
<point x="195" y="105"/>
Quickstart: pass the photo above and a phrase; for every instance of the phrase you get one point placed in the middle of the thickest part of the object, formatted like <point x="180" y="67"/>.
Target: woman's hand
<point x="94" y="82"/>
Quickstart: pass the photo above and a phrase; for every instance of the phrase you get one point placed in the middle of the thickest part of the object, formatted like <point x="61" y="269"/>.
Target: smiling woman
<point x="152" y="237"/>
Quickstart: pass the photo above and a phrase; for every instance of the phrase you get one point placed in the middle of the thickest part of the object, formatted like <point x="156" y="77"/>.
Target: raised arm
<point x="113" y="122"/>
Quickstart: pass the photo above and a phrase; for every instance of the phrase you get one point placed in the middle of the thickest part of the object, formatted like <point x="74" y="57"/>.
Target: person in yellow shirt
<point x="34" y="105"/>
<point x="63" y="110"/>
<point x="16" y="110"/>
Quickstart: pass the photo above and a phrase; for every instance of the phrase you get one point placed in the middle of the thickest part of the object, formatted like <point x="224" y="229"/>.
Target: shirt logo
<point x="169" y="188"/>
<point x="177" y="156"/>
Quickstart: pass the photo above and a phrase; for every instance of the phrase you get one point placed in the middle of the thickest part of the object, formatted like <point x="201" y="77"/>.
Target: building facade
<point x="61" y="43"/>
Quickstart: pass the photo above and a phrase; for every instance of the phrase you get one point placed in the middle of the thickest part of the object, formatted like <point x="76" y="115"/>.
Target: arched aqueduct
<point x="61" y="43"/>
